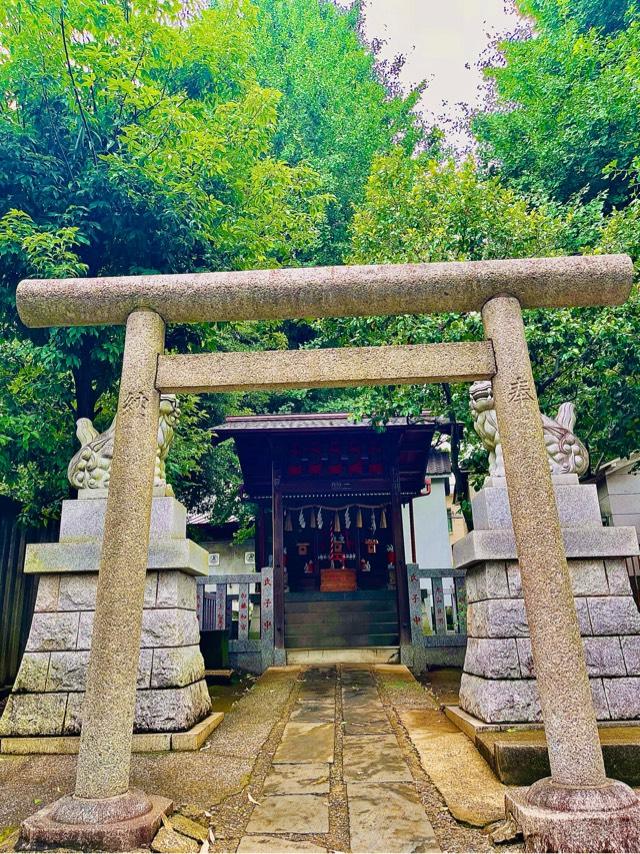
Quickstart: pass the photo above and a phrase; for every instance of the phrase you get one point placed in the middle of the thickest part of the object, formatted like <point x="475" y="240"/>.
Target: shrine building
<point x="342" y="508"/>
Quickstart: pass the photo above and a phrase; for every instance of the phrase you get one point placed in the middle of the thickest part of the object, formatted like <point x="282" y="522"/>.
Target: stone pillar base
<point x="558" y="818"/>
<point x="49" y="689"/>
<point x="123" y="823"/>
<point x="498" y="684"/>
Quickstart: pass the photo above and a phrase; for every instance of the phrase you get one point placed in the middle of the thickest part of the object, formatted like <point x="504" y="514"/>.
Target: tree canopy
<point x="565" y="120"/>
<point x="420" y="209"/>
<point x="336" y="111"/>
<point x="152" y="136"/>
<point x="131" y="141"/>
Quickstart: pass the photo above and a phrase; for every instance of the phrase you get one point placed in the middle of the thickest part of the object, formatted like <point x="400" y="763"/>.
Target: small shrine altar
<point x="329" y="493"/>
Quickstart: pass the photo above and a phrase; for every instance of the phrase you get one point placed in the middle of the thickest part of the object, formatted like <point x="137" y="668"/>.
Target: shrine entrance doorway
<point x="329" y="493"/>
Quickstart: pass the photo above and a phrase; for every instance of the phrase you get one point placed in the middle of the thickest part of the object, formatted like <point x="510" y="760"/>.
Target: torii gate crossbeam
<point x="103" y="812"/>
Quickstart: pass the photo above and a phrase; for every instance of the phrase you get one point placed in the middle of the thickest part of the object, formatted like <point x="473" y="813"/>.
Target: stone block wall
<point x="47" y="695"/>
<point x="498" y="683"/>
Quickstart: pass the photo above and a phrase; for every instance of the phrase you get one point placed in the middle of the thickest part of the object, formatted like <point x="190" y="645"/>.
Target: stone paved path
<point x="338" y="779"/>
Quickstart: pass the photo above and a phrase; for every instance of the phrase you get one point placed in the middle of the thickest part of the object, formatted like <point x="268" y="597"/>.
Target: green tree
<point x="132" y="139"/>
<point x="417" y="209"/>
<point x="605" y="15"/>
<point x="565" y="119"/>
<point x="338" y="108"/>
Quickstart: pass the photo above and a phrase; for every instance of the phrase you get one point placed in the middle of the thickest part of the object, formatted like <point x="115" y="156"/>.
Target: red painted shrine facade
<point x="329" y="495"/>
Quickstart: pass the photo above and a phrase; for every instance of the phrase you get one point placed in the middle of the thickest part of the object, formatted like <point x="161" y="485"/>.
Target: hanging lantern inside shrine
<point x="383" y="518"/>
<point x="312" y="519"/>
<point x="359" y="518"/>
<point x="336" y="522"/>
<point x="288" y="524"/>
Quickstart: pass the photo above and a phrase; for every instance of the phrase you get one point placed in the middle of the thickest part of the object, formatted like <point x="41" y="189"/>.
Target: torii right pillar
<point x="577" y="808"/>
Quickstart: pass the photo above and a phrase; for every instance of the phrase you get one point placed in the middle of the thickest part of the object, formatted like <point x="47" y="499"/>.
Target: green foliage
<point x="605" y="15"/>
<point x="417" y="209"/>
<point x="226" y="487"/>
<point x="133" y="140"/>
<point x="334" y="113"/>
<point x="566" y="126"/>
<point x="567" y="115"/>
<point x="420" y="209"/>
<point x="138" y="138"/>
<point x="36" y="408"/>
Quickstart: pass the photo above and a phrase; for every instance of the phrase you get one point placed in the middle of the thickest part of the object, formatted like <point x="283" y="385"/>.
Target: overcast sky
<point x="442" y="41"/>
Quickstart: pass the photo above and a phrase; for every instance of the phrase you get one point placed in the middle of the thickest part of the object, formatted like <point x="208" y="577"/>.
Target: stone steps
<point x="341" y="620"/>
<point x="362" y="655"/>
<point x="308" y="641"/>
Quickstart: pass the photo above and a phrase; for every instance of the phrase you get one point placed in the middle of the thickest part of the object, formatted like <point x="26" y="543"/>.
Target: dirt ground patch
<point x="219" y="785"/>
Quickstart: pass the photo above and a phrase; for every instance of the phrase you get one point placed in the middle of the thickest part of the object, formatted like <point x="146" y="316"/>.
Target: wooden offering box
<point x="338" y="580"/>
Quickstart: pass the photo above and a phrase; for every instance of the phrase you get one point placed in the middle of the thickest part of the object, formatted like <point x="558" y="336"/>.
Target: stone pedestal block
<point x="49" y="688"/>
<point x="498" y="683"/>
<point x="124" y="823"/>
<point x="552" y="817"/>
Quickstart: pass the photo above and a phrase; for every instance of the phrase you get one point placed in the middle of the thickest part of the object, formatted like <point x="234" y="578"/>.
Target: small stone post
<point x="113" y="815"/>
<point x="578" y="808"/>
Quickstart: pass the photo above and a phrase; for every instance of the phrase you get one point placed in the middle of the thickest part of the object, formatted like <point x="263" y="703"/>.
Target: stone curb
<point x="144" y="742"/>
<point x="194" y="738"/>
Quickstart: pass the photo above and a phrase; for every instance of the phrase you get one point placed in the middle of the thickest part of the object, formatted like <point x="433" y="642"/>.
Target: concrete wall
<point x="458" y="524"/>
<point x="619" y="497"/>
<point x="431" y="529"/>
<point x="231" y="556"/>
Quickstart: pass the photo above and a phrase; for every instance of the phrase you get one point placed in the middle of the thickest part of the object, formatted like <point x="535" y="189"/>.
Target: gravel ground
<point x="213" y="780"/>
<point x="443" y="684"/>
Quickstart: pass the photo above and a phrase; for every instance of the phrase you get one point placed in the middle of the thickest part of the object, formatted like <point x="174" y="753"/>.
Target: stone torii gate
<point x="577" y="808"/>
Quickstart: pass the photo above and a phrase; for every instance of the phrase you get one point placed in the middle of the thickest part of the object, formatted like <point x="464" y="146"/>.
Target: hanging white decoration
<point x="319" y="517"/>
<point x="347" y="519"/>
<point x="373" y="521"/>
<point x="301" y="520"/>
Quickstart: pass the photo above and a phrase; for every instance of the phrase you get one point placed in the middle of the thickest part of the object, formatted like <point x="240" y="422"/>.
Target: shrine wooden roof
<point x="322" y="421"/>
<point x="261" y="438"/>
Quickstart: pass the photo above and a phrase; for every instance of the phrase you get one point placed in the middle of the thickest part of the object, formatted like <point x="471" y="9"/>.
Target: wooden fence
<point x="242" y="606"/>
<point x="17" y="590"/>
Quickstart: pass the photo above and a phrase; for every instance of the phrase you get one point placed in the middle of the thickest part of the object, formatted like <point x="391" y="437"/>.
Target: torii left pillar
<point x="103" y="812"/>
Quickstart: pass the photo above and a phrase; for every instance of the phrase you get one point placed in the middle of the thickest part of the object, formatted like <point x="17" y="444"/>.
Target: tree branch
<point x="133" y="77"/>
<point x="53" y="124"/>
<point x="75" y="89"/>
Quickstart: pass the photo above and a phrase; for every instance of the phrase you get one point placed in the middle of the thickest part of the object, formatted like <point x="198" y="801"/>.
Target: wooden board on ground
<point x="222" y="674"/>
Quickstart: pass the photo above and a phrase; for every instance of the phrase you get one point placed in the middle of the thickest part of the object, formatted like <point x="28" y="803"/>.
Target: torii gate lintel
<point x="499" y="289"/>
